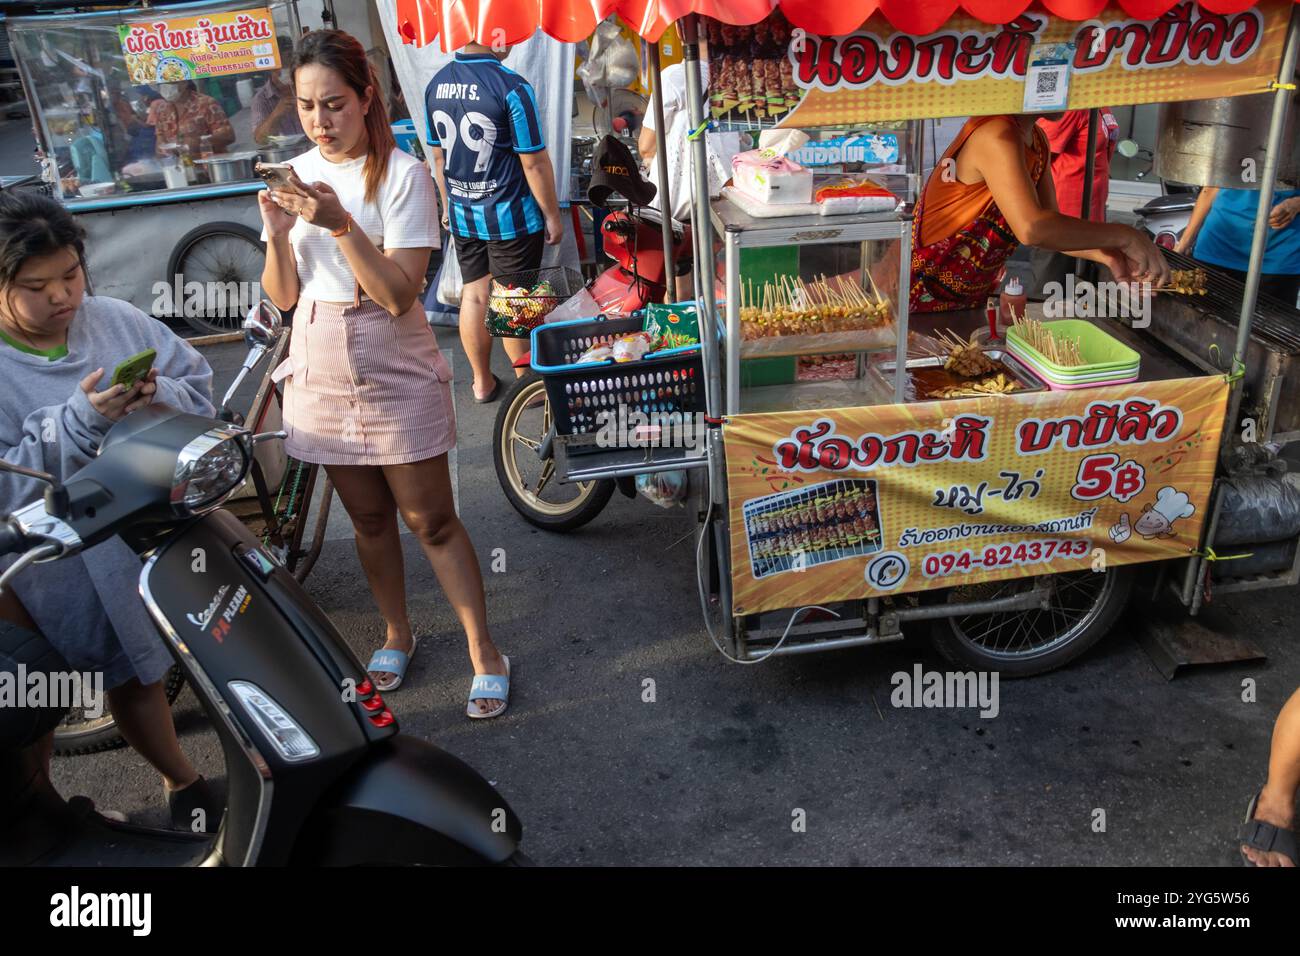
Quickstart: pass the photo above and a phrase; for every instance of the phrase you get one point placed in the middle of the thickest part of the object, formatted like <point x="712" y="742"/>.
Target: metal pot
<point x="232" y="168"/>
<point x="1207" y="142"/>
<point x="280" y="154"/>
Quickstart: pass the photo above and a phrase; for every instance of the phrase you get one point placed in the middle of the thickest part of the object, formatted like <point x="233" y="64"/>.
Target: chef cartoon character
<point x="1156" y="520"/>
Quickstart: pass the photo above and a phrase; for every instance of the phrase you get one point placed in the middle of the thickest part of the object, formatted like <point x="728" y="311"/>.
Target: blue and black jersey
<point x="481" y="114"/>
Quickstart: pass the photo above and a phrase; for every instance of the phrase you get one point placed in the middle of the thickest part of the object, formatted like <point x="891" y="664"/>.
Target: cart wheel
<point x="1084" y="605"/>
<point x="528" y="481"/>
<point x="79" y="733"/>
<point x="215" y="254"/>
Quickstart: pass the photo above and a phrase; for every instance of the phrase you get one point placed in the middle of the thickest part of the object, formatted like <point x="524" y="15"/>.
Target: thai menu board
<point x="770" y="73"/>
<point x="172" y="49"/>
<point x="851" y="503"/>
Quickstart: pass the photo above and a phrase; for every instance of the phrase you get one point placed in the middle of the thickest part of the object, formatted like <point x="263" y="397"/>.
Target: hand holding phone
<point x="132" y="370"/>
<point x="275" y="175"/>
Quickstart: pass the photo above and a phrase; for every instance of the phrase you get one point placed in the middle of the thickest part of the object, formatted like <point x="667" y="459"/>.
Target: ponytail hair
<point x="343" y="53"/>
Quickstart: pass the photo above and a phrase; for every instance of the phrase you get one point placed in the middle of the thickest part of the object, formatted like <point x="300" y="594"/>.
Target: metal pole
<point x="1089" y="170"/>
<point x="703" y="223"/>
<point x="661" y="162"/>
<point x="1277" y="124"/>
<point x="1276" y="127"/>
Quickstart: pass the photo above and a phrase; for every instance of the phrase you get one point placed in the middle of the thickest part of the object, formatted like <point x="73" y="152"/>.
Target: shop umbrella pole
<point x="661" y="173"/>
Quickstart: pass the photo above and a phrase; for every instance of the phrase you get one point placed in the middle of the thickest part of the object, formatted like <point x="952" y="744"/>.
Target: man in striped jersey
<point x="497" y="187"/>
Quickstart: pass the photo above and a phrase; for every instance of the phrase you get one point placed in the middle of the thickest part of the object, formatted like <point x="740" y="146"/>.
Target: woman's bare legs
<point x="369" y="503"/>
<point x="423" y="494"/>
<point x="1277" y="799"/>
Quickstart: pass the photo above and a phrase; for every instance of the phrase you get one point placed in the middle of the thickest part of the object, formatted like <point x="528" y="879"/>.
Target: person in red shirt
<point x="1067" y="138"/>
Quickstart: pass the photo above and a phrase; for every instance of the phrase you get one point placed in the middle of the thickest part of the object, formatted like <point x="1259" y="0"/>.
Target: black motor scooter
<point x="317" y="772"/>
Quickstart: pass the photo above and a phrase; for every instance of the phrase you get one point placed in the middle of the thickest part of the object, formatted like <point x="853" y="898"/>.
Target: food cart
<point x="835" y="513"/>
<point x="172" y="228"/>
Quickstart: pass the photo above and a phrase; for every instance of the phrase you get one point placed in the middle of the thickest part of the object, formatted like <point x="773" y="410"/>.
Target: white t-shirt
<point x="403" y="216"/>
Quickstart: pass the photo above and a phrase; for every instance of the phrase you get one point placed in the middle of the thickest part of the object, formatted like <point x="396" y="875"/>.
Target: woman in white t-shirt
<point x="369" y="394"/>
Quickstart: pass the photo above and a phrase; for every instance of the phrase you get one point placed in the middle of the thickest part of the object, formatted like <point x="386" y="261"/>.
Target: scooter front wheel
<point x="79" y="733"/>
<point x="529" y="481"/>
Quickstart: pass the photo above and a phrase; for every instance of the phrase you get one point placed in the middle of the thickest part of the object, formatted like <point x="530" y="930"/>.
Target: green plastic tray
<point x="1103" y="375"/>
<point x="1101" y="352"/>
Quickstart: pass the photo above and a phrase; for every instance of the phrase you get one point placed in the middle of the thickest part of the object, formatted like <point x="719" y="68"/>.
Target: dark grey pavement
<point x="715" y="769"/>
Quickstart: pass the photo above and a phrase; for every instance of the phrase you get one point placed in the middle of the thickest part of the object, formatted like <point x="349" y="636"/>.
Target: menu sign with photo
<point x="172" y="49"/>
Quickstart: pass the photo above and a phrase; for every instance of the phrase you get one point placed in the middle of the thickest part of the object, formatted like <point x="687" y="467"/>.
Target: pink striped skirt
<point x="365" y="387"/>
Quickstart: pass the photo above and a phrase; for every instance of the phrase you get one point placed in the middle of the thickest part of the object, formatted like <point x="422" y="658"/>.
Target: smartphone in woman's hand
<point x="275" y="175"/>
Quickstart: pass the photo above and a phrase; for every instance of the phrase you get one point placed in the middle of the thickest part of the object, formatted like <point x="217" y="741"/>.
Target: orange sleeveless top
<point x="951" y="206"/>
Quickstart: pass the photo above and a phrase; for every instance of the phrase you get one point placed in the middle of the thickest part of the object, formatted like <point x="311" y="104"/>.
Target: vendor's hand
<point x="113" y="401"/>
<point x="1186" y="242"/>
<point x="277" y="221"/>
<point x="1144" y="261"/>
<point x="554" y="230"/>
<point x="1284" y="213"/>
<point x="317" y="204"/>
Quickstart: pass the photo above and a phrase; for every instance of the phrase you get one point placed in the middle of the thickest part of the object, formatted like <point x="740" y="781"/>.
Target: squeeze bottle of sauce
<point x="1013" y="299"/>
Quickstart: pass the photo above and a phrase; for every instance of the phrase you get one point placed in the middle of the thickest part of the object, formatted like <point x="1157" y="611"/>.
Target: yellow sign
<point x="863" y="502"/>
<point x="972" y="68"/>
<point x="172" y="49"/>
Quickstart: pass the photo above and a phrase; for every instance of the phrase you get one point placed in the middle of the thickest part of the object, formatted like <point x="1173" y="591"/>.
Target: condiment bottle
<point x="1013" y="300"/>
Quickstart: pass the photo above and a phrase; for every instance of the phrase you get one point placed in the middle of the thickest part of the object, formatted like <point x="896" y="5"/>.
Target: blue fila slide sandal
<point x="489" y="687"/>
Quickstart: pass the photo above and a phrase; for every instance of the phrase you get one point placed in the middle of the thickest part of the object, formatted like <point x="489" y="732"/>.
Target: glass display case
<point x="171" y="100"/>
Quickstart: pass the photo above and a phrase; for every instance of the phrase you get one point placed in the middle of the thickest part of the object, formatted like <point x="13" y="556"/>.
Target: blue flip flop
<point x="489" y="687"/>
<point x="390" y="661"/>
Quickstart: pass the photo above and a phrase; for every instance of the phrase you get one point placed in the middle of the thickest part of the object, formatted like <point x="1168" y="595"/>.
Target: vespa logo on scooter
<point x="201" y="619"/>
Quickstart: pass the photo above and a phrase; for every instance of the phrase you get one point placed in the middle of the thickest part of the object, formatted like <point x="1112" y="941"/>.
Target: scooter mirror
<point x="262" y="325"/>
<point x="1127" y="148"/>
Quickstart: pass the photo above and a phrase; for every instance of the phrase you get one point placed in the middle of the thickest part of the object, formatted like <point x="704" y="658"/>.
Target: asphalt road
<point x="716" y="768"/>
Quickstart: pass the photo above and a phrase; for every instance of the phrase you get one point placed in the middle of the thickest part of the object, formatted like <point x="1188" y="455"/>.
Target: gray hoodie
<point x="88" y="606"/>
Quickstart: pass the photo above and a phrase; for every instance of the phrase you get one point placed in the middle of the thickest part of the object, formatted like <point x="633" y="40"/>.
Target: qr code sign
<point x="1047" y="81"/>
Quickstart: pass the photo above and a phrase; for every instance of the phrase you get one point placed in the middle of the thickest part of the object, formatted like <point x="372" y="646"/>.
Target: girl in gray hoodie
<point x="58" y="347"/>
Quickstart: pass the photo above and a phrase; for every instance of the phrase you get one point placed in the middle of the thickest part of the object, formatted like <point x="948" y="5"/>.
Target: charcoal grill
<point x="1194" y="325"/>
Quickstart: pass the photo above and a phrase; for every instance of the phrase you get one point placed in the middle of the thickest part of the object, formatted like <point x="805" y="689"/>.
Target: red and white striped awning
<point x="457" y="22"/>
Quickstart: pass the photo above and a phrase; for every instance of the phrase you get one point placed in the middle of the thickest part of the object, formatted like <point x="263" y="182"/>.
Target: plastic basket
<point x="521" y="301"/>
<point x="582" y="395"/>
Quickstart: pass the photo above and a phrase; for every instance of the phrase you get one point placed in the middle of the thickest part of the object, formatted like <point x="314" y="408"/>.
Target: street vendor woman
<point x="992" y="191"/>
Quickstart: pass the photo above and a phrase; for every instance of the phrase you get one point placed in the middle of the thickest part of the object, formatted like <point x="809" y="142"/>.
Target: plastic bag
<point x="597" y="353"/>
<point x="1256" y="510"/>
<point x="450" y="283"/>
<point x="664" y="488"/>
<point x="580" y="306"/>
<point x="631" y="347"/>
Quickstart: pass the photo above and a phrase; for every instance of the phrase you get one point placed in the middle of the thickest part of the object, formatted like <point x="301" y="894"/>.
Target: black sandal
<point x="1264" y="836"/>
<point x="491" y="396"/>
<point x="183" y="803"/>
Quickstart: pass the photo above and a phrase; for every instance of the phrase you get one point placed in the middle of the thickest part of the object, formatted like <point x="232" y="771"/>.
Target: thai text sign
<point x="172" y="49"/>
<point x="862" y="502"/>
<point x="972" y="68"/>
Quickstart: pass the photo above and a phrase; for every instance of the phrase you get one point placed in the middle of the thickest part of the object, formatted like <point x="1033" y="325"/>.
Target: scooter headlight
<point x="210" y="469"/>
<point x="282" y="731"/>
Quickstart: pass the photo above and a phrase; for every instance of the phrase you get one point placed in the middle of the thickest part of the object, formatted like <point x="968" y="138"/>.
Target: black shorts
<point x="498" y="257"/>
